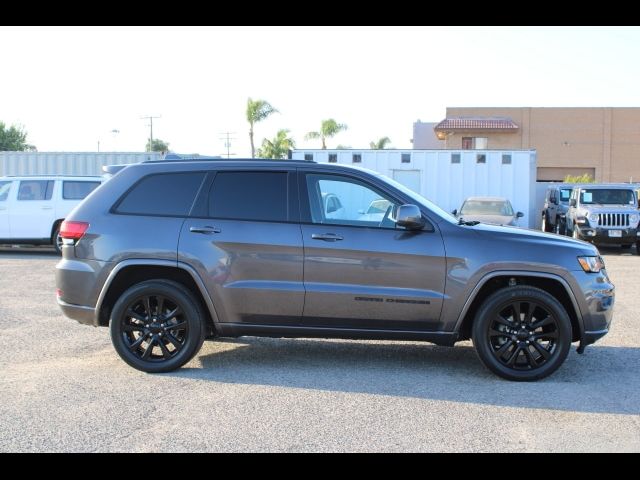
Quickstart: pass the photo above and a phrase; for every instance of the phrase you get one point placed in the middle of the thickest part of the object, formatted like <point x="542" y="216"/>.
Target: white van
<point x="32" y="208"/>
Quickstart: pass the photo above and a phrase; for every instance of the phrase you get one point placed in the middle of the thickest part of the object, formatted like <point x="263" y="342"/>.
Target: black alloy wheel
<point x="522" y="333"/>
<point x="157" y="326"/>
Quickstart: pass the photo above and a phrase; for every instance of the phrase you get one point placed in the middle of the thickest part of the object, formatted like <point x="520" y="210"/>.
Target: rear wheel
<point x="546" y="227"/>
<point x="522" y="333"/>
<point x="157" y="326"/>
<point x="57" y="240"/>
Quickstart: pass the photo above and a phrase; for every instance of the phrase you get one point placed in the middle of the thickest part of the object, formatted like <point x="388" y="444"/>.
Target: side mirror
<point x="572" y="202"/>
<point x="519" y="215"/>
<point x="332" y="209"/>
<point x="454" y="212"/>
<point x="409" y="217"/>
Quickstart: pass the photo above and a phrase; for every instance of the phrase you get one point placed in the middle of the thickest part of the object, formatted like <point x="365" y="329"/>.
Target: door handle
<point x="327" y="237"/>
<point x="206" y="230"/>
<point x="47" y="207"/>
<point x="3" y="208"/>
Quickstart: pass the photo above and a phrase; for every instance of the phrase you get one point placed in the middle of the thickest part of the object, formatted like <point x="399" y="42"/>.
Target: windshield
<point x="486" y="207"/>
<point x="419" y="199"/>
<point x="565" y="194"/>
<point x="607" y="197"/>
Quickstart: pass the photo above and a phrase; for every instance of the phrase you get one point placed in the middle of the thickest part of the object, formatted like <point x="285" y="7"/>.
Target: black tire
<point x="56" y="240"/>
<point x="627" y="246"/>
<point x="527" y="349"/>
<point x="546" y="227"/>
<point x="561" y="227"/>
<point x="157" y="326"/>
<point x="637" y="248"/>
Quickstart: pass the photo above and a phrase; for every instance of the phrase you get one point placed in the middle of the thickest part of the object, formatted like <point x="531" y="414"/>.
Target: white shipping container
<point x="448" y="177"/>
<point x="67" y="163"/>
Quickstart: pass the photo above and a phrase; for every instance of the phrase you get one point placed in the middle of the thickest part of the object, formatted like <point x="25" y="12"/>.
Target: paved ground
<point x="63" y="388"/>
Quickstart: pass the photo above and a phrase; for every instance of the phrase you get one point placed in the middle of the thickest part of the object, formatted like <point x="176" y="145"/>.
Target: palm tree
<point x="257" y="110"/>
<point x="278" y="147"/>
<point x="380" y="144"/>
<point x="328" y="128"/>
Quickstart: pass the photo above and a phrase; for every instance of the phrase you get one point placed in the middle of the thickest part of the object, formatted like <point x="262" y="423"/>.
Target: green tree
<point x="278" y="147"/>
<point x="584" y="178"/>
<point x="328" y="128"/>
<point x="381" y="144"/>
<point x="157" y="145"/>
<point x="13" y="139"/>
<point x="257" y="110"/>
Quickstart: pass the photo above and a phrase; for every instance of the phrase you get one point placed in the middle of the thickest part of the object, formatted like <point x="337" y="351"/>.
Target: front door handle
<point x="47" y="207"/>
<point x="327" y="237"/>
<point x="206" y="230"/>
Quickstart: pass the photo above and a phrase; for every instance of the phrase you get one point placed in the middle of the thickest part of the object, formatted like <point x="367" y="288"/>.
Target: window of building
<point x="249" y="196"/>
<point x="506" y="159"/>
<point x="455" y="158"/>
<point x="333" y="158"/>
<point x="357" y="158"/>
<point x="406" y="158"/>
<point x="308" y="157"/>
<point x="481" y="158"/>
<point x="475" y="143"/>
<point x="35" y="190"/>
<point x="480" y="143"/>
<point x="162" y="194"/>
<point x="77" y="190"/>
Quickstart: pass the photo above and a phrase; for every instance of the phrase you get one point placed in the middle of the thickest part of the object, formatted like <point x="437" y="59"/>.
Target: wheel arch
<point x="130" y="272"/>
<point x="492" y="282"/>
<point x="54" y="227"/>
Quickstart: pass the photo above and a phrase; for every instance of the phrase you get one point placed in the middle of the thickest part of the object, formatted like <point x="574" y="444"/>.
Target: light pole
<point x="115" y="132"/>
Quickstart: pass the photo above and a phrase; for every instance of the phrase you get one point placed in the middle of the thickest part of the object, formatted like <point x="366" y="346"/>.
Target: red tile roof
<point x="478" y="123"/>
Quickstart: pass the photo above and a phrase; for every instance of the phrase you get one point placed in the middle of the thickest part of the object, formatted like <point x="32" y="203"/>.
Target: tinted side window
<point x="77" y="190"/>
<point x="249" y="196"/>
<point x="35" y="190"/>
<point x="162" y="194"/>
<point x="4" y="190"/>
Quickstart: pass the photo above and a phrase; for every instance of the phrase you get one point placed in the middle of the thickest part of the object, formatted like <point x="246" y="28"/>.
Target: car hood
<point x="493" y="219"/>
<point x="524" y="235"/>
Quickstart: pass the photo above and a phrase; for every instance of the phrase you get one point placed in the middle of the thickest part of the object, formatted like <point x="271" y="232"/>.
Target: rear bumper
<point x="80" y="313"/>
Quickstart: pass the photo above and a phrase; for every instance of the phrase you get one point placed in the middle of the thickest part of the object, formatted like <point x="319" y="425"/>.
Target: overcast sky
<point x="70" y="87"/>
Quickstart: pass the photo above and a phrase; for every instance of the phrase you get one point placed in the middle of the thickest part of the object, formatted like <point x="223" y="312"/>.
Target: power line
<point x="227" y="142"/>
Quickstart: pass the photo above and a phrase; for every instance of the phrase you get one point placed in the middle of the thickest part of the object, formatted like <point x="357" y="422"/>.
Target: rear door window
<point x="259" y="196"/>
<point x="77" y="190"/>
<point x="165" y="194"/>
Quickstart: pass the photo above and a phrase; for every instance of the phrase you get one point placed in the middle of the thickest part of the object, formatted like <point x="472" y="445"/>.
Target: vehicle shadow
<point x="603" y="380"/>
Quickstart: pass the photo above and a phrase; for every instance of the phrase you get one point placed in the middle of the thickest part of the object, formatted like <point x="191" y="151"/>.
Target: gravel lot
<point x="65" y="389"/>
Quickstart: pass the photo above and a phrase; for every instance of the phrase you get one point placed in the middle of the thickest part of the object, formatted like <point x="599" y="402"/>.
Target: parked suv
<point x="556" y="204"/>
<point x="32" y="208"/>
<point x="604" y="214"/>
<point x="169" y="253"/>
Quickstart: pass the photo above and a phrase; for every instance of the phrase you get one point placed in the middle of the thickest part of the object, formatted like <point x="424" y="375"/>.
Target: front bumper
<point x="601" y="235"/>
<point x="597" y="309"/>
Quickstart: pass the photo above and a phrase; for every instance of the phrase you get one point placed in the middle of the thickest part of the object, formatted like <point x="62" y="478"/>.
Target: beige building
<point x="604" y="142"/>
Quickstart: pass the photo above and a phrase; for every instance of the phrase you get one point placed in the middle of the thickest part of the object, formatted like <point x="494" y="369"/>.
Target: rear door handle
<point x="327" y="237"/>
<point x="205" y="230"/>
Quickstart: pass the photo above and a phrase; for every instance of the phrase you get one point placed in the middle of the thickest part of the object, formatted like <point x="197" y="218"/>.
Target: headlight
<point x="591" y="264"/>
<point x="633" y="218"/>
<point x="594" y="217"/>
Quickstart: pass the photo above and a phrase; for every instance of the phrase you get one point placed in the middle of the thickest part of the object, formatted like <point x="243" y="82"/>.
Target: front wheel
<point x="545" y="225"/>
<point x="522" y="333"/>
<point x="157" y="326"/>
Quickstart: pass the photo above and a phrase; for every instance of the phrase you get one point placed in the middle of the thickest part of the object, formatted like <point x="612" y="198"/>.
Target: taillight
<point x="73" y="230"/>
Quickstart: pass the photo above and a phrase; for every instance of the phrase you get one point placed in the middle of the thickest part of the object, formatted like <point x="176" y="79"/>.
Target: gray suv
<point x="168" y="254"/>
<point x="604" y="214"/>
<point x="556" y="205"/>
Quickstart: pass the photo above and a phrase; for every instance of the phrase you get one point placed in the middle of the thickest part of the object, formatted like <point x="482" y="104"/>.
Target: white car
<point x="32" y="208"/>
